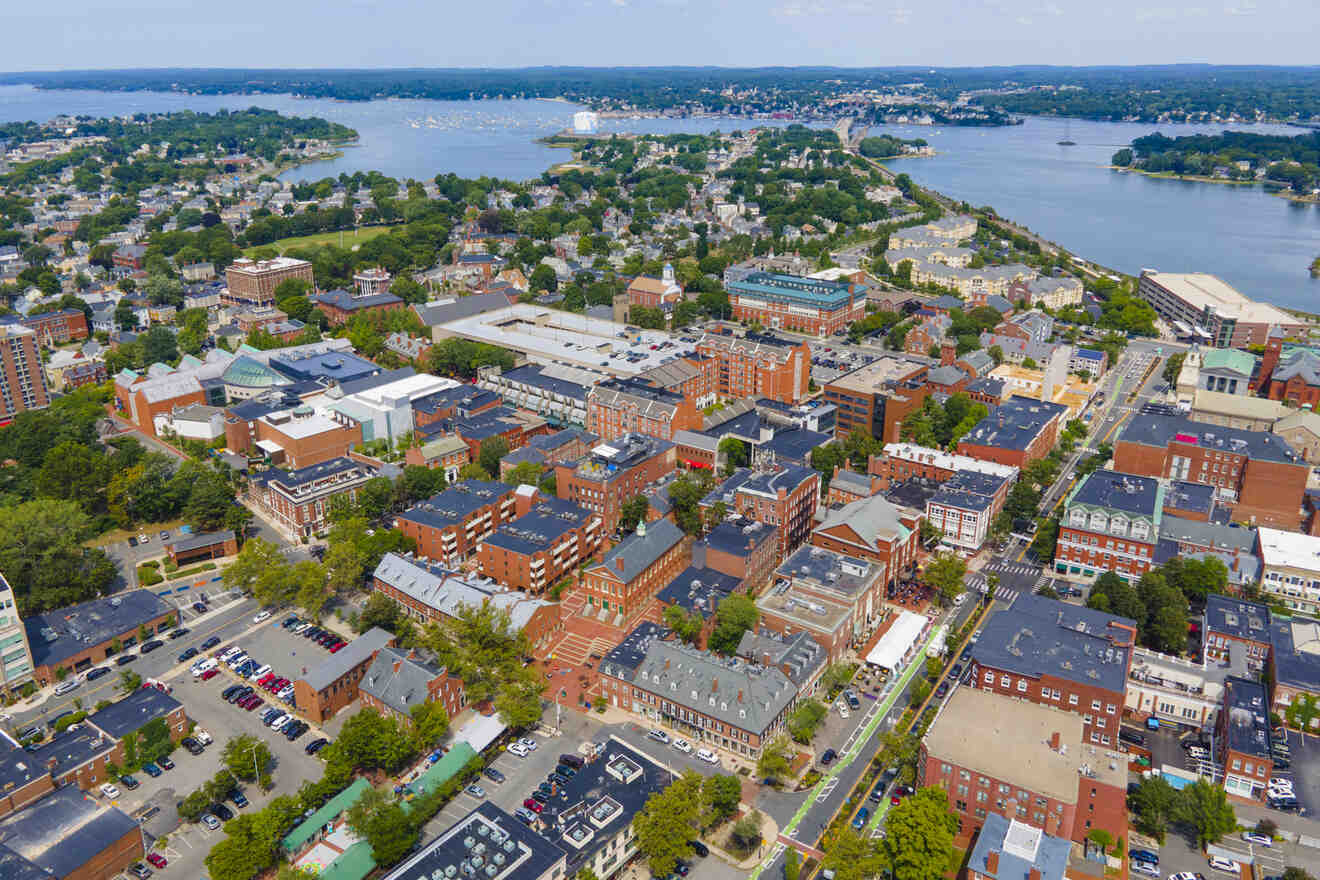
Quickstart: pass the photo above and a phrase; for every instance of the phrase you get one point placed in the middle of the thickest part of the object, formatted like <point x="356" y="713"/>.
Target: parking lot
<point x="1304" y="771"/>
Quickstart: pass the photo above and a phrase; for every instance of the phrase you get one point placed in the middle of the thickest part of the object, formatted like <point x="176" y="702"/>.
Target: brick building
<point x="1111" y="522"/>
<point x="186" y="549"/>
<point x="253" y="282"/>
<point x="656" y="293"/>
<point x="847" y="486"/>
<point x="22" y="381"/>
<point x="1022" y="761"/>
<point x="780" y="370"/>
<point x="1055" y="654"/>
<point x="333" y="683"/>
<point x="783" y="496"/>
<point x="807" y="305"/>
<point x="398" y="680"/>
<point x="1242" y="738"/>
<point x="742" y="548"/>
<point x="613" y="473"/>
<point x="1294" y="667"/>
<point x="899" y="462"/>
<point x="878" y="397"/>
<point x="617" y="407"/>
<point x="538" y="549"/>
<point x="696" y="378"/>
<point x="619" y="588"/>
<point x="447" y="452"/>
<point x="1258" y="476"/>
<point x="1235" y="628"/>
<point x="339" y="306"/>
<point x="129" y="256"/>
<point x="300" y="500"/>
<point x="875" y="529"/>
<point x="450" y="525"/>
<point x="964" y="507"/>
<point x="1017" y="432"/>
<point x="57" y="328"/>
<point x="461" y="402"/>
<point x="547" y="450"/>
<point x="430" y="593"/>
<point x="80" y="636"/>
<point x="297" y="437"/>
<point x="94" y="840"/>
<point x="1228" y="318"/>
<point x="834" y="598"/>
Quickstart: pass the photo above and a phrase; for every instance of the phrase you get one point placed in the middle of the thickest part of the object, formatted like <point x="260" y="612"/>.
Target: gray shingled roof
<point x="335" y="666"/>
<point x="640" y="550"/>
<point x="400" y="689"/>
<point x="748" y="697"/>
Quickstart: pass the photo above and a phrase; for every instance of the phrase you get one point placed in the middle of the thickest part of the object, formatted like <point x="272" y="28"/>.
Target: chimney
<point x="715" y="685"/>
<point x="618" y="562"/>
<point x="992" y="863"/>
<point x="1055" y="740"/>
<point x="1033" y="874"/>
<point x="397" y="665"/>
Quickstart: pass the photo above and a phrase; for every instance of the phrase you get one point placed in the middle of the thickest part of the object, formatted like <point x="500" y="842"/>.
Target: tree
<point x="1295" y="873"/>
<point x="378" y="817"/>
<point x="492" y="450"/>
<point x="430" y="723"/>
<point x="687" y="625"/>
<point x="524" y="473"/>
<point x="719" y="798"/>
<point x="379" y="610"/>
<point x="837" y="675"/>
<point x="851" y="856"/>
<point x="193" y="806"/>
<point x="632" y="512"/>
<point x="746" y="833"/>
<point x="736" y="615"/>
<point x="1172" y="367"/>
<point x="945" y="573"/>
<point x="473" y="471"/>
<point x="735" y="454"/>
<point x="160" y="345"/>
<point x="369" y="741"/>
<point x="543" y="278"/>
<point x="261" y="570"/>
<point x="71" y="471"/>
<point x="481" y="646"/>
<point x="918" y="841"/>
<point x="1205" y="807"/>
<point x="246" y="757"/>
<point x="805" y="719"/>
<point x="42" y="556"/>
<point x="775" y="761"/>
<point x="664" y="824"/>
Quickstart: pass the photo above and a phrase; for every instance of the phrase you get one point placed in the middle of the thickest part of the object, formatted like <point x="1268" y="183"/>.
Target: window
<point x="1095" y="705"/>
<point x="1022" y="686"/>
<point x="989" y="677"/>
<point x="1072" y="699"/>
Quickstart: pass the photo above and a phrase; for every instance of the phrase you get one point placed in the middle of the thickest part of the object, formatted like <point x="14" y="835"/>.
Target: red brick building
<point x="333" y="683"/>
<point x="195" y="548"/>
<point x="1016" y="433"/>
<point x="619" y="589"/>
<point x="1056" y="654"/>
<point x="77" y="637"/>
<point x="293" y="438"/>
<point x="878" y="397"/>
<point x="24" y="384"/>
<point x="899" y="462"/>
<point x="129" y="256"/>
<point x="1110" y="522"/>
<point x="655" y="293"/>
<point x="613" y="473"/>
<point x="875" y="529"/>
<point x="835" y="598"/>
<point x="57" y="328"/>
<point x="449" y="526"/>
<point x="399" y="680"/>
<point x="807" y="305"/>
<point x="748" y="368"/>
<point x="538" y="549"/>
<point x="1024" y="762"/>
<point x="253" y="282"/>
<point x="784" y="496"/>
<point x="617" y="407"/>
<point x="339" y="306"/>
<point x="1242" y="738"/>
<point x="299" y="501"/>
<point x="1257" y="475"/>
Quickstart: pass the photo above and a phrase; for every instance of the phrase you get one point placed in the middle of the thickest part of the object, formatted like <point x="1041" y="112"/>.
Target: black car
<point x="828" y="758"/>
<point x="289" y="621"/>
<point x="148" y="647"/>
<point x="94" y="674"/>
<point x="230" y="691"/>
<point x="1131" y="736"/>
<point x="540" y="797"/>
<point x="221" y="812"/>
<point x="192" y="745"/>
<point x="187" y="655"/>
<point x="209" y="643"/>
<point x="200" y="608"/>
<point x="316" y="745"/>
<point x="941" y="690"/>
<point x="238" y="799"/>
<point x="493" y="774"/>
<point x="178" y="633"/>
<point x="128" y="782"/>
<point x="699" y="848"/>
<point x="312" y="632"/>
<point x="125" y="659"/>
<point x="165" y="764"/>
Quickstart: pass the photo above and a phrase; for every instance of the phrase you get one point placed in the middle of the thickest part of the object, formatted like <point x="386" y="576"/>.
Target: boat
<point x="1067" y="136"/>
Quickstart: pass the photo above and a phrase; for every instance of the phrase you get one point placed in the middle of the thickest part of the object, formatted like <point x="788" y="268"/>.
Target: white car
<point x="708" y="756"/>
<point x="1257" y="838"/>
<point x="1143" y="868"/>
<point x="202" y="665"/>
<point x="959" y="599"/>
<point x="658" y="736"/>
<point x="527" y="743"/>
<point x="682" y="745"/>
<point x="281" y="721"/>
<point x="109" y="790"/>
<point x="261" y="615"/>
<point x="300" y="628"/>
<point x="518" y="749"/>
<point x="1219" y="863"/>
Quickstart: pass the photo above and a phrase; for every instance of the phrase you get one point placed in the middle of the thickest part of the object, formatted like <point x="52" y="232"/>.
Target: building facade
<point x="790" y="302"/>
<point x="253" y="282"/>
<point x="613" y="473"/>
<point x="780" y="371"/>
<point x="299" y="501"/>
<point x="22" y="380"/>
<point x="450" y="525"/>
<point x="1111" y="522"/>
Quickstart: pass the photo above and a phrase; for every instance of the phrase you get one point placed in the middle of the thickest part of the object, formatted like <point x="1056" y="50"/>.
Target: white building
<point x="385" y="411"/>
<point x="1290" y="568"/>
<point x="195" y="421"/>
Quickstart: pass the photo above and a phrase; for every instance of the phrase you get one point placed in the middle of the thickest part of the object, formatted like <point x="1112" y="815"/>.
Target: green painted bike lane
<point x="845" y="760"/>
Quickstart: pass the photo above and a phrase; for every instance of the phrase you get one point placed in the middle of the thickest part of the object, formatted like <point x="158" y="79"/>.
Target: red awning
<point x="695" y="464"/>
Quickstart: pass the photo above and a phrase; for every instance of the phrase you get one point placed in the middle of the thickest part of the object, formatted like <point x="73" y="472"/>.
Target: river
<point x="1260" y="243"/>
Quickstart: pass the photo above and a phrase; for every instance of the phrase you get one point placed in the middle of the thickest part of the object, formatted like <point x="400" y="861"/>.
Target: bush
<point x="148" y="577"/>
<point x="150" y="563"/>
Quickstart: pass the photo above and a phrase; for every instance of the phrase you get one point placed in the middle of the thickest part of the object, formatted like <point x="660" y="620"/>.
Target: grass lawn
<point x="323" y="238"/>
<point x="152" y="530"/>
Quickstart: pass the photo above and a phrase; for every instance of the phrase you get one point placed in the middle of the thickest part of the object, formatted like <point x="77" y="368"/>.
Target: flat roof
<point x="512" y="848"/>
<point x="57" y="635"/>
<point x="1014" y="423"/>
<point x="1237" y="617"/>
<point x="878" y="375"/>
<point x="1289" y="549"/>
<point x="1150" y="429"/>
<point x="58" y="834"/>
<point x="1296" y="652"/>
<point x="1248" y="716"/>
<point x="622" y="661"/>
<point x="1010" y="740"/>
<point x="1110" y="490"/>
<point x="1201" y="291"/>
<point x="129" y="714"/>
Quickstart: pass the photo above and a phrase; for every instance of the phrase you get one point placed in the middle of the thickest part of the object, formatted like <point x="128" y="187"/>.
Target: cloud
<point x="1169" y="13"/>
<point x="900" y="14"/>
<point x="1245" y="7"/>
<point x="1051" y="9"/>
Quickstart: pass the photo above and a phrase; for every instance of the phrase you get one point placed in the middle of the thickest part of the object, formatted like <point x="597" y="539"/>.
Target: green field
<point x="323" y="238"/>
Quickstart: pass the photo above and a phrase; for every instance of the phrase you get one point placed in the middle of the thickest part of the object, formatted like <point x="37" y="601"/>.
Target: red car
<point x="157" y="860"/>
<point x="337" y="647"/>
<point x="534" y="806"/>
<point x="267" y="678"/>
<point x="210" y="674"/>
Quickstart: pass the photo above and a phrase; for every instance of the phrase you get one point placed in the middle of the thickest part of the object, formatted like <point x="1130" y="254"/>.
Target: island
<point x="1289" y="164"/>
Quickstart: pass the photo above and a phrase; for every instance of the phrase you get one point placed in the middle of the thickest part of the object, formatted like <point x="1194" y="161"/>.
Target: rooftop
<point x="794" y="289"/>
<point x="1189" y="497"/>
<point x="870" y="519"/>
<point x="1237" y="617"/>
<point x="798" y="656"/>
<point x="1021" y="732"/>
<point x="623" y="660"/>
<point x="342" y="366"/>
<point x="824" y="569"/>
<point x="698" y="590"/>
<point x="767" y="483"/>
<point x="399" y="679"/>
<point x="739" y="536"/>
<point x="732" y="691"/>
<point x="1021" y="851"/>
<point x="632" y="556"/>
<point x="447" y="591"/>
<point x="1207" y="534"/>
<point x="1149" y="429"/>
<point x="1201" y="291"/>
<point x="57" y="635"/>
<point x="609" y="461"/>
<point x="487" y="843"/>
<point x="1277" y="548"/>
<point x="57" y="835"/>
<point x="1296" y="652"/>
<point x="1014" y="423"/>
<point x="1248" y="716"/>
<point x="540" y="527"/>
<point x="1039" y="636"/>
<point x="948" y="460"/>
<point x="569" y="382"/>
<point x="335" y="666"/>
<point x="879" y="375"/>
<point x="1109" y="490"/>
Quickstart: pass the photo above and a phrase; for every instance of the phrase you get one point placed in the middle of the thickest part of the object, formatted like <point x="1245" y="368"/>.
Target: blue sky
<point x="514" y="33"/>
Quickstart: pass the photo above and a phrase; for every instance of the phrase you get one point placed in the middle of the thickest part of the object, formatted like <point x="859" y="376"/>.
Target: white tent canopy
<point x="894" y="645"/>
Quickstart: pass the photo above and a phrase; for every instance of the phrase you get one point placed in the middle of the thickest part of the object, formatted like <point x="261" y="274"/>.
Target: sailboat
<point x="1067" y="135"/>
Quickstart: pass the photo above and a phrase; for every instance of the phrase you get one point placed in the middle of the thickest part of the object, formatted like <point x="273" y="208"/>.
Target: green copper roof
<point x="1228" y="358"/>
<point x="249" y="373"/>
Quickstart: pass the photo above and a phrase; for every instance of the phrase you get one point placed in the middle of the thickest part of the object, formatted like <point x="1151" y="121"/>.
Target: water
<point x="1260" y="243"/>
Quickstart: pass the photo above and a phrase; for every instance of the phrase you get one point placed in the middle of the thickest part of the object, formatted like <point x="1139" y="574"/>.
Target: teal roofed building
<point x="248" y="376"/>
<point x="792" y="302"/>
<point x="325" y="845"/>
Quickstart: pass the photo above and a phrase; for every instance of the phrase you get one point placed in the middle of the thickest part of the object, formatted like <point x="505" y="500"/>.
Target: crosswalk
<point x="977" y="582"/>
<point x="1006" y="567"/>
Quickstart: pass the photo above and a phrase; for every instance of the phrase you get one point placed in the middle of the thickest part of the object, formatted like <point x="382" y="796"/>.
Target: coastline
<point x="1278" y="191"/>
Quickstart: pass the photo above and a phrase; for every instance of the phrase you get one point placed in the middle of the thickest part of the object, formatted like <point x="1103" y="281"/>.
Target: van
<point x="230" y="652"/>
<point x="260" y="671"/>
<point x="1131" y="736"/>
<point x="67" y="686"/>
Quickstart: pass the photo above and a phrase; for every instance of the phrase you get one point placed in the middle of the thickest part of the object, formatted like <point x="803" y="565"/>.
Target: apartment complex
<point x="1068" y="657"/>
<point x="22" y="381"/>
<point x="1255" y="474"/>
<point x="538" y="549"/>
<point x="877" y="398"/>
<point x="15" y="656"/>
<point x="755" y="368"/>
<point x="557" y="393"/>
<point x="1207" y="309"/>
<point x="613" y="473"/>
<point x="1030" y="763"/>
<point x="57" y="328"/>
<point x="299" y="500"/>
<point x="784" y="496"/>
<point x="1017" y="432"/>
<point x="626" y="406"/>
<point x="450" y="525"/>
<point x="1111" y="522"/>
<point x="252" y="283"/>
<point x="790" y="302"/>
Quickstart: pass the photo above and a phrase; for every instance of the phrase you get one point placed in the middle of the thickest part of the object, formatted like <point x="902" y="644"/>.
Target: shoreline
<point x="1281" y="191"/>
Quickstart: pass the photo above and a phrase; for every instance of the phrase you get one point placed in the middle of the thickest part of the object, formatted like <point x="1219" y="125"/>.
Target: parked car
<point x="572" y="761"/>
<point x="533" y="805"/>
<point x="94" y="674"/>
<point x="139" y="870"/>
<point x="518" y="749"/>
<point x="210" y="822"/>
<point x="222" y="812"/>
<point x="238" y="799"/>
<point x="493" y="775"/>
<point x="178" y="633"/>
<point x="658" y="735"/>
<point x="67" y="686"/>
<point x="1219" y="863"/>
<point x="682" y="745"/>
<point x="151" y="770"/>
<point x="261" y="615"/>
<point x="109" y="790"/>
<point x="192" y="745"/>
<point x="476" y="791"/>
<point x="699" y="848"/>
<point x="524" y="815"/>
<point x="128" y="782"/>
<point x="316" y="745"/>
<point x="859" y="821"/>
<point x="1144" y="868"/>
<point x="210" y="674"/>
<point x="149" y="646"/>
<point x="828" y="757"/>
<point x="125" y="659"/>
<point x="1144" y="855"/>
<point x="165" y="764"/>
<point x="209" y="643"/>
<point x="708" y="756"/>
<point x="157" y="860"/>
<point x="1257" y="838"/>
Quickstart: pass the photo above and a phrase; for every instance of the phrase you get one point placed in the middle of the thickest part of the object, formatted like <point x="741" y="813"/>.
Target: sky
<point x="82" y="34"/>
